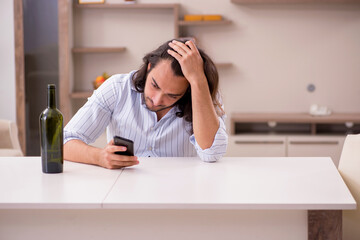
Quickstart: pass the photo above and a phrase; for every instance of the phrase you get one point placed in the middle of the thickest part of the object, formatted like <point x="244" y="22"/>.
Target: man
<point x="169" y="108"/>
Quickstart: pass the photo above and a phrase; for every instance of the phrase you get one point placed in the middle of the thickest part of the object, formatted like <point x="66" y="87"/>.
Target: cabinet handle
<point x="315" y="142"/>
<point x="258" y="142"/>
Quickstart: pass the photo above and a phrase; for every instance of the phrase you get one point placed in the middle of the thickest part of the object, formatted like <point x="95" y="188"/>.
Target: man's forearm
<point x="205" y="120"/>
<point x="78" y="151"/>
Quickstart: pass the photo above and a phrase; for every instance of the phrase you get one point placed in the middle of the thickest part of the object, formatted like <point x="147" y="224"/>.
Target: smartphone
<point x="129" y="144"/>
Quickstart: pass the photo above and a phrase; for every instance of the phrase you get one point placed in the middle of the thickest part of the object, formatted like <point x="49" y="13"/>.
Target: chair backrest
<point x="9" y="140"/>
<point x="349" y="168"/>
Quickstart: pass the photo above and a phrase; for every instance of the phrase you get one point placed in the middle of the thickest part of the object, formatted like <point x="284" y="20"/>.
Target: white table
<point x="172" y="198"/>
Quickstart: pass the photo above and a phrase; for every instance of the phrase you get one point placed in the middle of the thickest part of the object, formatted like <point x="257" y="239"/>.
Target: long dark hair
<point x="184" y="104"/>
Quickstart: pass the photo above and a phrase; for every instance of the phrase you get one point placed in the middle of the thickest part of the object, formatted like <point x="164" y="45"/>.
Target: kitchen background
<point x="275" y="51"/>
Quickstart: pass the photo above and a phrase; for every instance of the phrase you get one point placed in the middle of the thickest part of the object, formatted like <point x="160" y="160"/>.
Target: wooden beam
<point x="176" y="21"/>
<point x="324" y="224"/>
<point x="128" y="6"/>
<point x="98" y="49"/>
<point x="64" y="60"/>
<point x="20" y="73"/>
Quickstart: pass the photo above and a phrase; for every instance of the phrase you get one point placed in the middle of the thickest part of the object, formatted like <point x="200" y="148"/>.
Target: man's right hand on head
<point x="109" y="159"/>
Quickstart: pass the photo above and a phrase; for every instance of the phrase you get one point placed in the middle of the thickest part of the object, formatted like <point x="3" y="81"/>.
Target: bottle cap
<point x="51" y="86"/>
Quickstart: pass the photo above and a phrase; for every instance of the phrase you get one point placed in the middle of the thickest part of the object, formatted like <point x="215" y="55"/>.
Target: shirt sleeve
<point x="92" y="118"/>
<point x="217" y="149"/>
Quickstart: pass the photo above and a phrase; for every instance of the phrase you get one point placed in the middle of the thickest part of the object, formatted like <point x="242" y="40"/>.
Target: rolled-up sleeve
<point x="91" y="119"/>
<point x="217" y="149"/>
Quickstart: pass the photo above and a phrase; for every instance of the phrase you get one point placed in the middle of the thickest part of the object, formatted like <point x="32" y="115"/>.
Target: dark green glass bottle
<point x="51" y="135"/>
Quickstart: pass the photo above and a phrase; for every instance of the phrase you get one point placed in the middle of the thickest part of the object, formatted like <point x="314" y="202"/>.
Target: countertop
<point x="303" y="183"/>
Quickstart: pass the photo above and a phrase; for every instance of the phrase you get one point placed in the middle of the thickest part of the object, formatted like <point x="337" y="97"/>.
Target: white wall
<point x="276" y="50"/>
<point x="7" y="61"/>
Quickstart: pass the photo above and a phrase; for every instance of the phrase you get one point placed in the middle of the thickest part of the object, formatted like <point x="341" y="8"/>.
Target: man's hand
<point x="77" y="151"/>
<point x="205" y="119"/>
<point x="109" y="159"/>
<point x="190" y="60"/>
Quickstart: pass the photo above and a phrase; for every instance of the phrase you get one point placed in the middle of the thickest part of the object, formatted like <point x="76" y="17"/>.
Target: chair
<point x="9" y="141"/>
<point x="349" y="168"/>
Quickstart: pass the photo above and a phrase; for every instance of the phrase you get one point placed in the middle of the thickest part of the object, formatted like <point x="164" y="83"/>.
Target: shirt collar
<point x="132" y="86"/>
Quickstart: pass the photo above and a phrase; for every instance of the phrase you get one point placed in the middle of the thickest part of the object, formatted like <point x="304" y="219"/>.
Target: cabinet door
<point x="316" y="146"/>
<point x="256" y="146"/>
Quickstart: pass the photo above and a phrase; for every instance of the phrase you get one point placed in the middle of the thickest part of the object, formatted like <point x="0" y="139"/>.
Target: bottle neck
<point x="51" y="101"/>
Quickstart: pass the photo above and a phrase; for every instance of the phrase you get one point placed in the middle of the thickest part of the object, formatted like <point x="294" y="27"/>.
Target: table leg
<point x="324" y="224"/>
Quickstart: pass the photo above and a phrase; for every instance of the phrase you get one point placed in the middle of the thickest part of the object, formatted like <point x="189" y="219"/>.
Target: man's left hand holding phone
<point x="118" y="153"/>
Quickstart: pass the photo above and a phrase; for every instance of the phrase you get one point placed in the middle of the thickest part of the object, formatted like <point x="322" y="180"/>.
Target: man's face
<point x="162" y="88"/>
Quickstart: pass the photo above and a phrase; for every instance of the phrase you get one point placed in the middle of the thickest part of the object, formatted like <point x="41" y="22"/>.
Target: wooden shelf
<point x="80" y="95"/>
<point x="203" y="23"/>
<point x="98" y="49"/>
<point x="302" y="123"/>
<point x="293" y="1"/>
<point x="273" y="1"/>
<point x="295" y="117"/>
<point x="66" y="37"/>
<point x="128" y="6"/>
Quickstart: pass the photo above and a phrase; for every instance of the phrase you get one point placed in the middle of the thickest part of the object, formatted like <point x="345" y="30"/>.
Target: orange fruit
<point x="100" y="79"/>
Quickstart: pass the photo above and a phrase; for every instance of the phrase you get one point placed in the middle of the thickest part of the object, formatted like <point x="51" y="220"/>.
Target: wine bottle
<point x="51" y="135"/>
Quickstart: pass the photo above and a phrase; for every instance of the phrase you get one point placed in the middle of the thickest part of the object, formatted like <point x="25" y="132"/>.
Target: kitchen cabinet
<point x="315" y="146"/>
<point x="290" y="134"/>
<point x="256" y="146"/>
<point x="285" y="146"/>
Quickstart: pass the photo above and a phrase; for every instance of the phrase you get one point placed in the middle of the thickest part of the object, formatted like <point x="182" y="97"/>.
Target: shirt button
<point x="149" y="148"/>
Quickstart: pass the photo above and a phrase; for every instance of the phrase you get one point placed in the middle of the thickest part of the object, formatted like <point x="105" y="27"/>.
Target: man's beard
<point x="158" y="110"/>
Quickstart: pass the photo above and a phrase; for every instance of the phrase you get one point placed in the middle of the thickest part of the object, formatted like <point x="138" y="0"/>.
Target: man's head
<point x="162" y="81"/>
<point x="162" y="87"/>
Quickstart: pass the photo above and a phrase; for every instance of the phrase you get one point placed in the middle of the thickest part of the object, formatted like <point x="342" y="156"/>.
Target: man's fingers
<point x="191" y="45"/>
<point x="111" y="147"/>
<point x="114" y="148"/>
<point x="124" y="164"/>
<point x="123" y="158"/>
<point x="109" y="159"/>
<point x="119" y="161"/>
<point x="117" y="164"/>
<point x="180" y="47"/>
<point x="174" y="54"/>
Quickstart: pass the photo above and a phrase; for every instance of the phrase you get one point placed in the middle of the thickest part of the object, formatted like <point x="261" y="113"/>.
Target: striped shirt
<point x="119" y="108"/>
